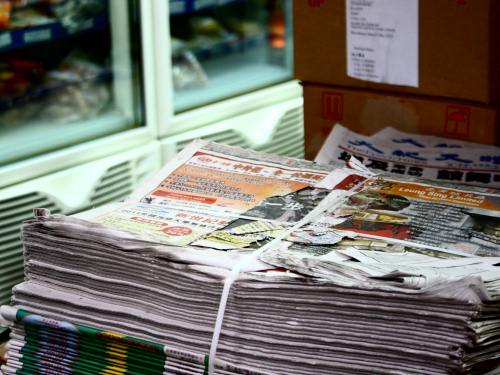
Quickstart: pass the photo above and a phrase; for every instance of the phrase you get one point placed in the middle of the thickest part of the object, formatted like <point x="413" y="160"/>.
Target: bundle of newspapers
<point x="230" y="261"/>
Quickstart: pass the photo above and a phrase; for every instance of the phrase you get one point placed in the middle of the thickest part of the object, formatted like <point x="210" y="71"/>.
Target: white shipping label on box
<point x="382" y="41"/>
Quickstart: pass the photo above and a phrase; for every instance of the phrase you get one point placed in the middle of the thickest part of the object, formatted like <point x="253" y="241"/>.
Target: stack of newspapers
<point x="231" y="261"/>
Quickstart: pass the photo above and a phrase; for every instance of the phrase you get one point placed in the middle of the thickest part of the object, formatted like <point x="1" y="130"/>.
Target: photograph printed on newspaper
<point x="422" y="214"/>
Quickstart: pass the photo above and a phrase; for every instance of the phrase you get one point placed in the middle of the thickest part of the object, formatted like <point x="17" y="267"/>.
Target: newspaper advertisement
<point x="202" y="191"/>
<point x="421" y="214"/>
<point x="160" y="224"/>
<point x="426" y="157"/>
<point x="213" y="182"/>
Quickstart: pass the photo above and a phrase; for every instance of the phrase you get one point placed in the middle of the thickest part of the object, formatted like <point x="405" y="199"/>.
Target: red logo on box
<point x="457" y="122"/>
<point x="315" y="3"/>
<point x="332" y="105"/>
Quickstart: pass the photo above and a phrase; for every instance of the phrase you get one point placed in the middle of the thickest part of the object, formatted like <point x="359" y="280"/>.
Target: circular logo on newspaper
<point x="177" y="231"/>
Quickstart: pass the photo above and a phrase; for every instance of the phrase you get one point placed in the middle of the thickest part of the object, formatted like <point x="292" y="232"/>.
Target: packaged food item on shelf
<point x="186" y="70"/>
<point x="28" y="17"/>
<point x="84" y="92"/>
<point x="77" y="89"/>
<point x="74" y="13"/>
<point x="210" y="39"/>
<point x="207" y="26"/>
<point x="5" y="9"/>
<point x="245" y="28"/>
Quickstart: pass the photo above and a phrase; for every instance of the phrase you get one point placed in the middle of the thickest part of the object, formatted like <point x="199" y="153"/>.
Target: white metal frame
<point x="170" y="123"/>
<point x="71" y="188"/>
<point x="122" y="63"/>
<point x="244" y="124"/>
<point x="71" y="156"/>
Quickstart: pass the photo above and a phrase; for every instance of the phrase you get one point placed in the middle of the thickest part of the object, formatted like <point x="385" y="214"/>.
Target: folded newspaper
<point x="412" y="155"/>
<point x="231" y="261"/>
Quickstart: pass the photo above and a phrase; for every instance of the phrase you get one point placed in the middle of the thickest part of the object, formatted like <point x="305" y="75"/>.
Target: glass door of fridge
<point x="224" y="48"/>
<point x="70" y="71"/>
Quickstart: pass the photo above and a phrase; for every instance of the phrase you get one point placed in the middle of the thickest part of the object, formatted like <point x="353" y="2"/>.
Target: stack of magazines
<point x="42" y="345"/>
<point x="236" y="262"/>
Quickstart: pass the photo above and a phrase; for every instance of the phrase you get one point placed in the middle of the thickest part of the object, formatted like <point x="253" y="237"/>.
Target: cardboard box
<point x="458" y="48"/>
<point x="367" y="111"/>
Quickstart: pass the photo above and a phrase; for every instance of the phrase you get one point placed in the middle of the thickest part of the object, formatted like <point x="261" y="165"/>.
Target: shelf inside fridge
<point x="189" y="6"/>
<point x="49" y="32"/>
<point x="232" y="44"/>
<point x="19" y="142"/>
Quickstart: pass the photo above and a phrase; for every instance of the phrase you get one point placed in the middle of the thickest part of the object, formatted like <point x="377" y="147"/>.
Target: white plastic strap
<point x="326" y="203"/>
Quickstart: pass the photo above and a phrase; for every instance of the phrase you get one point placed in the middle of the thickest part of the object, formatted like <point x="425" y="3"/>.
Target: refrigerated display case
<point x="70" y="72"/>
<point x="223" y="49"/>
<point x="75" y="131"/>
<point x="229" y="62"/>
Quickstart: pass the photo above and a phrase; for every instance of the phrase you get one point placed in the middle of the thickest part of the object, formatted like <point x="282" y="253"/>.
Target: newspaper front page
<point x="409" y="155"/>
